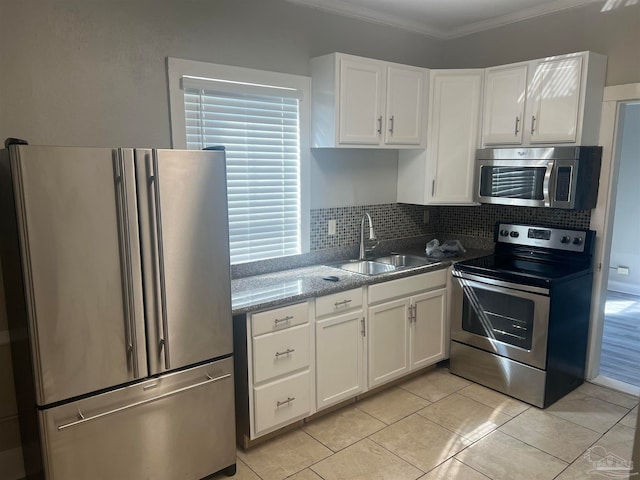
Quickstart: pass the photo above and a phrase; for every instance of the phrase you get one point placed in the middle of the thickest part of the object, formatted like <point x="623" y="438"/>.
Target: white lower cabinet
<point x="339" y="347"/>
<point x="339" y="360"/>
<point x="408" y="332"/>
<point x="281" y="401"/>
<point x="427" y="344"/>
<point x="279" y="370"/>
<point x="305" y="357"/>
<point x="388" y="341"/>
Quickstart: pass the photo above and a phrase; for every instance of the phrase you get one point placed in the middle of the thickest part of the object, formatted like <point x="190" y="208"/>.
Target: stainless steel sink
<point x="364" y="267"/>
<point x="386" y="264"/>
<point x="400" y="260"/>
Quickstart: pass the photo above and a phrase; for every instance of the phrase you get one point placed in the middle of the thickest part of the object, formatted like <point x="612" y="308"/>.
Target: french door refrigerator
<point x="116" y="272"/>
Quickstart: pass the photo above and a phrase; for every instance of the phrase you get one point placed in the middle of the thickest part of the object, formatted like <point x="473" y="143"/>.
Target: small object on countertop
<point x="450" y="248"/>
<point x="332" y="278"/>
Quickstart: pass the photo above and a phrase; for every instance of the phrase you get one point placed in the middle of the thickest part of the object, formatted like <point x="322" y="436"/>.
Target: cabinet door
<point x="504" y="96"/>
<point x="360" y="101"/>
<point x="555" y="100"/>
<point x="428" y="328"/>
<point x="388" y="341"/>
<point x="453" y="134"/>
<point x="339" y="343"/>
<point x="405" y="105"/>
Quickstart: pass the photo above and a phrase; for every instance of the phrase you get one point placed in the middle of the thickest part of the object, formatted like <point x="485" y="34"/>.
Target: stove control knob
<point x="504" y="233"/>
<point x="514" y="234"/>
<point x="565" y="239"/>
<point x="577" y="241"/>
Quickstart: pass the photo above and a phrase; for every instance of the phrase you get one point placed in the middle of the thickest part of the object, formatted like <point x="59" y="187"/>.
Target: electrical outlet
<point x="426" y="216"/>
<point x="331" y="227"/>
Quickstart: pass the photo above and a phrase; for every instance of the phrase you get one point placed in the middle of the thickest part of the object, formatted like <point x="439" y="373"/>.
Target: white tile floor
<point x="440" y="427"/>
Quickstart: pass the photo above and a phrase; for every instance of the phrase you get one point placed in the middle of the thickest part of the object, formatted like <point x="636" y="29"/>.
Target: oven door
<point x="514" y="182"/>
<point x="503" y="318"/>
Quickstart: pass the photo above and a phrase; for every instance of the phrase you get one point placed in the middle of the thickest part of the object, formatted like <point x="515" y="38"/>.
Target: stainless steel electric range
<point x="520" y="317"/>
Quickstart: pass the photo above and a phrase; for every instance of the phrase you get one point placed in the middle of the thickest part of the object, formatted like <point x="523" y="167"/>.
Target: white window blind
<point x="259" y="126"/>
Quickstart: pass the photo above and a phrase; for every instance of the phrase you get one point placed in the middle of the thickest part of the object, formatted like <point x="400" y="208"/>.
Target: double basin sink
<point x="385" y="264"/>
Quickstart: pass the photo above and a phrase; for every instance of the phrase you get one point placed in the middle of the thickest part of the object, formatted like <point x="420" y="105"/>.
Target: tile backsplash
<point x="479" y="221"/>
<point x="397" y="220"/>
<point x="390" y="221"/>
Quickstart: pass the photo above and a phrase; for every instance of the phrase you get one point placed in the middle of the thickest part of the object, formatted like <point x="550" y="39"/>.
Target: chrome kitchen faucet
<point x="372" y="236"/>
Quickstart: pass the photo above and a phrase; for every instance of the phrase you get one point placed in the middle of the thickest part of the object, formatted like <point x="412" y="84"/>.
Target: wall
<point x="615" y="33"/>
<point x="625" y="250"/>
<point x="92" y="72"/>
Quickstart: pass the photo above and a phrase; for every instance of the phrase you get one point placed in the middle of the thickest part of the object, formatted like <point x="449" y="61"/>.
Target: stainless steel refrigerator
<point x="116" y="272"/>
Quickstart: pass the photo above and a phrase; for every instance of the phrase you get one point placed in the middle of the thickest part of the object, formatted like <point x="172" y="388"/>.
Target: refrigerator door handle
<point x="125" y="262"/>
<point x="156" y="219"/>
<point x="83" y="419"/>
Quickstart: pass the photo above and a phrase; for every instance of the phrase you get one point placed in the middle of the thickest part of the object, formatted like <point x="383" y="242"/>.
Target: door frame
<point x="602" y="221"/>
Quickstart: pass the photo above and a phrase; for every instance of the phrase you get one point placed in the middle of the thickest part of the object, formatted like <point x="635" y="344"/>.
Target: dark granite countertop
<point x="269" y="290"/>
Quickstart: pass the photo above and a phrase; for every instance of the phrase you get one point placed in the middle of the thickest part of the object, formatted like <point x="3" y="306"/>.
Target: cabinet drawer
<point x="339" y="302"/>
<point x="281" y="401"/>
<point x="280" y="352"/>
<point x="279" y="318"/>
<point x="406" y="286"/>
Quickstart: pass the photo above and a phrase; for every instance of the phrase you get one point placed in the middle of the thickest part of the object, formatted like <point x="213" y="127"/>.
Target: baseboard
<point x="616" y="385"/>
<point x="12" y="466"/>
<point x="622" y="287"/>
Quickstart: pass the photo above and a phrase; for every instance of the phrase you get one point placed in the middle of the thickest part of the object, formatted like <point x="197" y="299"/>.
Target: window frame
<point x="178" y="68"/>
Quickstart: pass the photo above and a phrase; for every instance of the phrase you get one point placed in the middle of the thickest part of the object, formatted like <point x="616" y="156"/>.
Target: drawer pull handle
<point x="280" y="320"/>
<point x="285" y="402"/>
<point x="343" y="302"/>
<point x="286" y="352"/>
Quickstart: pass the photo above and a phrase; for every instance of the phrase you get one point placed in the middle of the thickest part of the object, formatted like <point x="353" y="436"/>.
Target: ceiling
<point x="443" y="19"/>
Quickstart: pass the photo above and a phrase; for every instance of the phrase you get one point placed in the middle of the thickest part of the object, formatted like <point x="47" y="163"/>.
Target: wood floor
<point x="621" y="338"/>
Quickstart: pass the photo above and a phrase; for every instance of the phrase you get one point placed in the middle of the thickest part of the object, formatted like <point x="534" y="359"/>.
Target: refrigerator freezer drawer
<point x="180" y="425"/>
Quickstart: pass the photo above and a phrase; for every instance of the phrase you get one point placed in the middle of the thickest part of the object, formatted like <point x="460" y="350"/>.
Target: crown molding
<point x="343" y="8"/>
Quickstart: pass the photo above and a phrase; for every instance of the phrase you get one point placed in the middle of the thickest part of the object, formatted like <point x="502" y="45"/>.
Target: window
<point x="261" y="120"/>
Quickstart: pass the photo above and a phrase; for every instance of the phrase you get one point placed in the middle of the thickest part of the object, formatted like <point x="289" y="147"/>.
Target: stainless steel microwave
<point x="553" y="177"/>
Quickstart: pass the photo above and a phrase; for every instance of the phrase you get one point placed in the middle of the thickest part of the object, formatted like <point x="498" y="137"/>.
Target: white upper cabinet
<point x="360" y="101"/>
<point x="504" y="96"/>
<point x="364" y="103"/>
<point x="405" y="106"/>
<point x="443" y="173"/>
<point x="546" y="101"/>
<point x="554" y="101"/>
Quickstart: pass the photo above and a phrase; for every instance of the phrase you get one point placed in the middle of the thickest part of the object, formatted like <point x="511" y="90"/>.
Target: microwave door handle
<point x="546" y="185"/>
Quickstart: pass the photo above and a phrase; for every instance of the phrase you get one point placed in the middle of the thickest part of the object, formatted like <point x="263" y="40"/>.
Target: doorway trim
<point x="602" y="216"/>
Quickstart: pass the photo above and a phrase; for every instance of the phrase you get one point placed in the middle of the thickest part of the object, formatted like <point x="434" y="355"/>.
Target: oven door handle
<point x="500" y="283"/>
